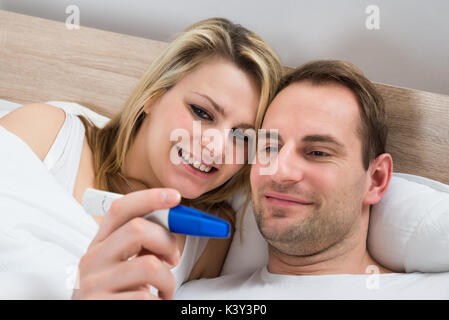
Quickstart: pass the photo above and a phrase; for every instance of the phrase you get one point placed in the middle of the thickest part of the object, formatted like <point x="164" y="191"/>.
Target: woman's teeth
<point x="196" y="164"/>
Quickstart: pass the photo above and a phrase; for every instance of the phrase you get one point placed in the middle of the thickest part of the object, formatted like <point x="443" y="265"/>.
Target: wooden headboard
<point x="42" y="60"/>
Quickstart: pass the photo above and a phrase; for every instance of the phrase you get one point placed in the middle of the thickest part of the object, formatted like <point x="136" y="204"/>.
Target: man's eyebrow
<point x="216" y="106"/>
<point x="221" y="111"/>
<point x="270" y="138"/>
<point x="323" y="138"/>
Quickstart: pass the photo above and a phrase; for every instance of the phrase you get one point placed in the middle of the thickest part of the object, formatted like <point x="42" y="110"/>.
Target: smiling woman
<point x="179" y="108"/>
<point x="216" y="74"/>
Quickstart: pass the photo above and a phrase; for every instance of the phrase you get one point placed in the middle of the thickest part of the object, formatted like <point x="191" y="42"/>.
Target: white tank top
<point x="64" y="156"/>
<point x="63" y="161"/>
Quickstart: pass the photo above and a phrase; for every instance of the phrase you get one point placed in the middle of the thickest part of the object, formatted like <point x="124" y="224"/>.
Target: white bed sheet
<point x="43" y="230"/>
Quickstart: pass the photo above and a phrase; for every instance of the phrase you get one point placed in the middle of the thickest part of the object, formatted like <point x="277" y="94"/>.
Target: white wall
<point x="411" y="48"/>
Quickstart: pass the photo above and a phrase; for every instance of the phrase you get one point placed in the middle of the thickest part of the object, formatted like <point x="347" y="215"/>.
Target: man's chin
<point x="278" y="229"/>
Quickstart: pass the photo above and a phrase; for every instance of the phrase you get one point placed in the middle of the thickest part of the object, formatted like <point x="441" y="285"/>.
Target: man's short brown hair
<point x="373" y="130"/>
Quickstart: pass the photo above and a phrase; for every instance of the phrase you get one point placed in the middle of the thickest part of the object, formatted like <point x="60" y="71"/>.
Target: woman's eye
<point x="239" y="134"/>
<point x="200" y="113"/>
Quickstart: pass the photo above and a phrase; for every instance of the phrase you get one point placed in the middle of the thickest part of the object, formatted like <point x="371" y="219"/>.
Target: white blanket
<point x="43" y="230"/>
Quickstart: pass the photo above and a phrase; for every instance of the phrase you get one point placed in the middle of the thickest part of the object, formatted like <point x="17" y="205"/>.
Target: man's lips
<point x="288" y="199"/>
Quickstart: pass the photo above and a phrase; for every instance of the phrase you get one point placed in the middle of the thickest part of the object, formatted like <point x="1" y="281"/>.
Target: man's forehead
<point x="303" y="110"/>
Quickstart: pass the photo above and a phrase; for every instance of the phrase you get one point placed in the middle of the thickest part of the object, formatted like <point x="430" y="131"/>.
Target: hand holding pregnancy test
<point x="179" y="219"/>
<point x="129" y="253"/>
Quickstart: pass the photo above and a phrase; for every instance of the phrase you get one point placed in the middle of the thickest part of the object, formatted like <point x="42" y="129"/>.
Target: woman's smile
<point x="194" y="166"/>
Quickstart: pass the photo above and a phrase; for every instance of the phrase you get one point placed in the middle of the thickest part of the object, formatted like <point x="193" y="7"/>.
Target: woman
<point x="214" y="72"/>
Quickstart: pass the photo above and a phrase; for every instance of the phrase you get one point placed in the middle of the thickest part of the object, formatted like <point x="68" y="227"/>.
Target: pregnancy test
<point x="179" y="219"/>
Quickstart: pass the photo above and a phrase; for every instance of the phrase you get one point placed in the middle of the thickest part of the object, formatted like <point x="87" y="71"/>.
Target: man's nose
<point x="289" y="168"/>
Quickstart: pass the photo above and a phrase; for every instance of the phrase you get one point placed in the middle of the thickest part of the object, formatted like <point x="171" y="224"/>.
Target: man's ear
<point x="379" y="171"/>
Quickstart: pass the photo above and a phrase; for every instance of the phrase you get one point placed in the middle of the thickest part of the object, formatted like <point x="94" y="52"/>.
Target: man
<point x="314" y="210"/>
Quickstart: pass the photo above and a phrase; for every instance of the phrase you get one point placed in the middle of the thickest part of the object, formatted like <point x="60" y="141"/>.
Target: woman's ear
<point x="379" y="171"/>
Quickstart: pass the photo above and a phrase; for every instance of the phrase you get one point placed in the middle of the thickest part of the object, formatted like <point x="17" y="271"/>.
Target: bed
<point x="42" y="60"/>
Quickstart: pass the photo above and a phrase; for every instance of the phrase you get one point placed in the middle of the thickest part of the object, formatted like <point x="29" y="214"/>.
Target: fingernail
<point x="171" y="196"/>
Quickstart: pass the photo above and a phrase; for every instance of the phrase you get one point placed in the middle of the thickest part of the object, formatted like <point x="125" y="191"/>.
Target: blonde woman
<point x="215" y="72"/>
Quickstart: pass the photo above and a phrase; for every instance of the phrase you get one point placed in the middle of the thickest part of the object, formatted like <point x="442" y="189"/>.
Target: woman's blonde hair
<point x="202" y="40"/>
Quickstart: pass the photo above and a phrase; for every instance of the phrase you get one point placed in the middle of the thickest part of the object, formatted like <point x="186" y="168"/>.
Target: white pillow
<point x="250" y="250"/>
<point x="409" y="229"/>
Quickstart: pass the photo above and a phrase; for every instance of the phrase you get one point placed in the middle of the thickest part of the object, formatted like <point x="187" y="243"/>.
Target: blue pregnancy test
<point x="179" y="219"/>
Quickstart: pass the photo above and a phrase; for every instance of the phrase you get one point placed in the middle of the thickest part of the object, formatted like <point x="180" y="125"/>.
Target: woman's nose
<point x="213" y="146"/>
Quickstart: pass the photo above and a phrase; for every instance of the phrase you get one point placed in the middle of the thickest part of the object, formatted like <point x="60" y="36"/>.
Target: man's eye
<point x="319" y="154"/>
<point x="270" y="149"/>
<point x="200" y="113"/>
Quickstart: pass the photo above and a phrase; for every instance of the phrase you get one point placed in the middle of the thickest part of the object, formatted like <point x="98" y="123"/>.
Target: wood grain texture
<point x="418" y="139"/>
<point x="41" y="60"/>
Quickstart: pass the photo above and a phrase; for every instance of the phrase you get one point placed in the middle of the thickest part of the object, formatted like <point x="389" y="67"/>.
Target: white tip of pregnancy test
<point x="97" y="202"/>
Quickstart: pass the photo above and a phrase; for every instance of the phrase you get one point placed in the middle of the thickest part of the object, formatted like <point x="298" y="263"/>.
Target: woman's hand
<point x="106" y="270"/>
